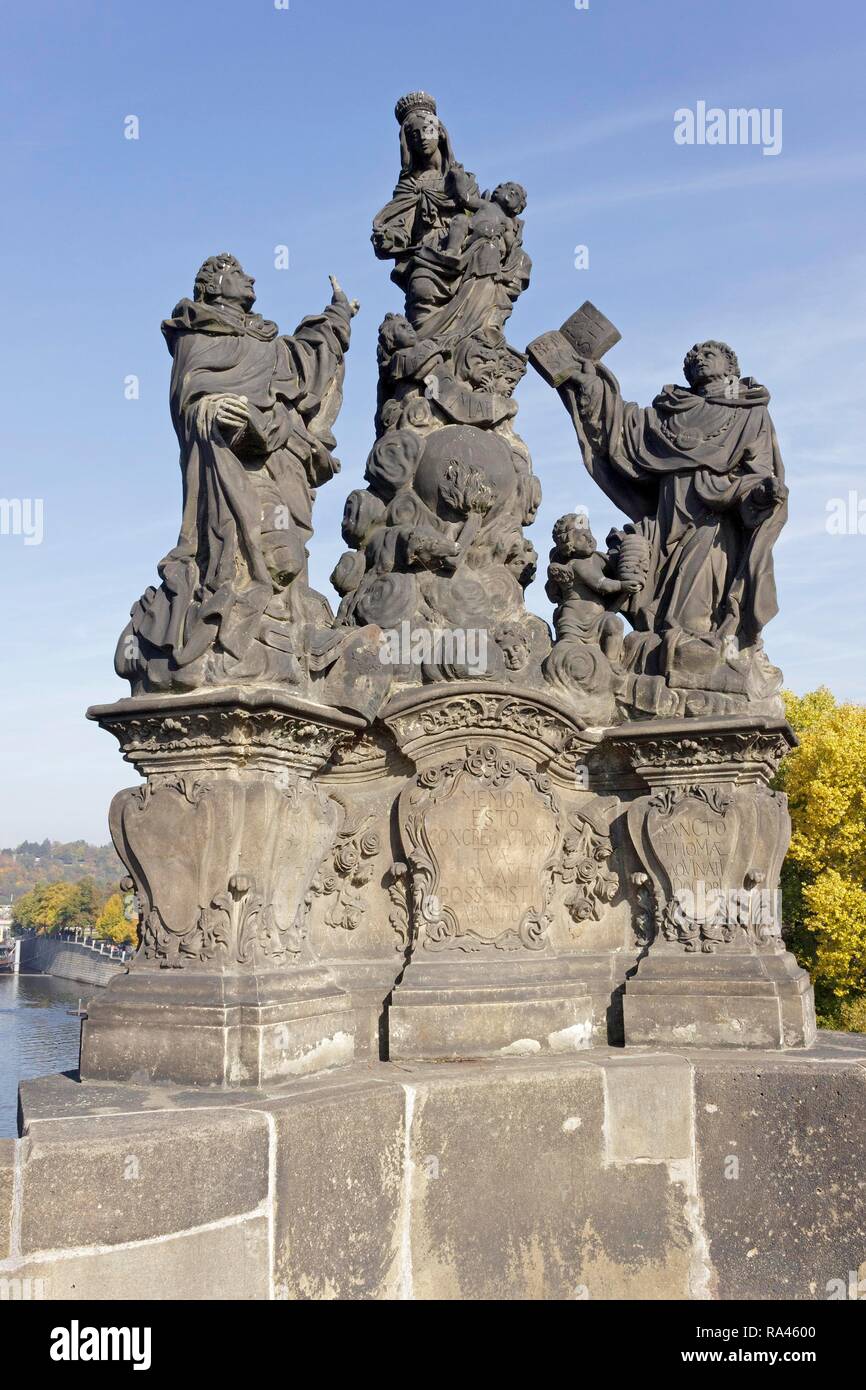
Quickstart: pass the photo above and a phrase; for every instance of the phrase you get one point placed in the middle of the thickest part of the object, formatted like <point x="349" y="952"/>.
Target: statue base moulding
<point x="222" y="841"/>
<point x="710" y="837"/>
<point x="481" y="829"/>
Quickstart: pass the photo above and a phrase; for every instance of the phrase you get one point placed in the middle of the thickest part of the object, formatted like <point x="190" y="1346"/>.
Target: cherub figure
<point x="583" y="591"/>
<point x="405" y="359"/>
<point x="403" y="356"/>
<point x="488" y="227"/>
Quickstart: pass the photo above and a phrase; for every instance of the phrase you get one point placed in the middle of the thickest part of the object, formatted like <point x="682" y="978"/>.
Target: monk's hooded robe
<point x="685" y="470"/>
<point x="247" y="498"/>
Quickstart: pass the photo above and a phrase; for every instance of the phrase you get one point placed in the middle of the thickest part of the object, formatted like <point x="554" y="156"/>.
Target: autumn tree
<point x="112" y="922"/>
<point x="82" y="906"/>
<point x="824" y="876"/>
<point x="51" y="907"/>
<point x="42" y="906"/>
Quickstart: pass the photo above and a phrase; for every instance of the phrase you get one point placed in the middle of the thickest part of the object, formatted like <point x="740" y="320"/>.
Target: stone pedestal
<point x="481" y="830"/>
<point x="739" y="998"/>
<point x="710" y="837"/>
<point x="222" y="842"/>
<point x="606" y="1175"/>
<point x="356" y="911"/>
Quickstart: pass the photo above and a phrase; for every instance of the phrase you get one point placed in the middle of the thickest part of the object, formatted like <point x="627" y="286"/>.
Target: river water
<point x="37" y="1035"/>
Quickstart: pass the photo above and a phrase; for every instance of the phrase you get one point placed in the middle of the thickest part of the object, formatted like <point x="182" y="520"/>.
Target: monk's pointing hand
<point x="339" y="297"/>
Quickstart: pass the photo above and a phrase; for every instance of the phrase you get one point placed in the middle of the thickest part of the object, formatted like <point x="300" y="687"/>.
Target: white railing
<point x="97" y="944"/>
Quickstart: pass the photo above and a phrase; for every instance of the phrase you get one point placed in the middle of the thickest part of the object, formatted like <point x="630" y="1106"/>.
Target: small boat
<point x="9" y="956"/>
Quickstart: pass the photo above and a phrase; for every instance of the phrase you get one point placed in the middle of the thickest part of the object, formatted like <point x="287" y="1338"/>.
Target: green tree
<point x="41" y="907"/>
<point x="81" y="907"/>
<point x="51" y="907"/>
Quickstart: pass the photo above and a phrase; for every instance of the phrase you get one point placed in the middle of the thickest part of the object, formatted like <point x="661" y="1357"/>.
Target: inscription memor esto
<point x="492" y="846"/>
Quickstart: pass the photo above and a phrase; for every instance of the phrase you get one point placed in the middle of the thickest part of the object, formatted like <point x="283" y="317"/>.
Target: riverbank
<point x="67" y="960"/>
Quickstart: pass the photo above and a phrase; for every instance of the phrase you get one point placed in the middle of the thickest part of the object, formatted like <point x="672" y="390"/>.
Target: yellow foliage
<point x="836" y="913"/>
<point x="111" y="922"/>
<point x="45" y="906"/>
<point x="825" y="874"/>
<point x="805" y="711"/>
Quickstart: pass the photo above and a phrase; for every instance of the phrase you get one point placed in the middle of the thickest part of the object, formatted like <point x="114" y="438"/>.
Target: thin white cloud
<point x="844" y="167"/>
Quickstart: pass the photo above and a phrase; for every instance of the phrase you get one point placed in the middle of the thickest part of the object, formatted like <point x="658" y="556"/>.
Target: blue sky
<point x="261" y="127"/>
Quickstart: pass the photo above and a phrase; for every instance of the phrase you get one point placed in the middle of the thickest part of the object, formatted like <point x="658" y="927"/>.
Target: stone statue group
<point x="436" y="538"/>
<point x="426" y="825"/>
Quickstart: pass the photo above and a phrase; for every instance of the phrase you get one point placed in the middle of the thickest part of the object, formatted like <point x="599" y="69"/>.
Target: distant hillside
<point x="51" y="861"/>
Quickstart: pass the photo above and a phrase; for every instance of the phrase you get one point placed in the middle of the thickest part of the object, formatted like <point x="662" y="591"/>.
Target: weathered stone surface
<point x="416" y="829"/>
<point x="252" y="410"/>
<point x="7" y="1186"/>
<point x="586" y="333"/>
<point x="340" y="1194"/>
<point x="222" y="843"/>
<point x="603" y="1176"/>
<point x="226" y="1263"/>
<point x="587" y="654"/>
<point x="437" y="556"/>
<point x="782" y="1176"/>
<point x="357" y="912"/>
<point x="649" y="1109"/>
<point x="214" y="1030"/>
<point x="486" y="843"/>
<point x="126" y="1170"/>
<point x="758" y="999"/>
<point x="710" y="837"/>
<point x="483" y="1017"/>
<point x="516" y="1197"/>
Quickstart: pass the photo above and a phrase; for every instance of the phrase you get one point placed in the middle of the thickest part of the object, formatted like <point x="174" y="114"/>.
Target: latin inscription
<point x="491" y="847"/>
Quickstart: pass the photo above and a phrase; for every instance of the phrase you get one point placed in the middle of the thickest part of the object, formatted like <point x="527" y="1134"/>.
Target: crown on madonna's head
<point x="414" y="101"/>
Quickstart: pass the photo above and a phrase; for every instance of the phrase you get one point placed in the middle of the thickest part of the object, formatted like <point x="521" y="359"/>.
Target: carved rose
<point x="581" y="908"/>
<point x="408" y="510"/>
<point x="346" y="858"/>
<point x="370" y="843"/>
<point x="388" y="600"/>
<point x="348" y="572"/>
